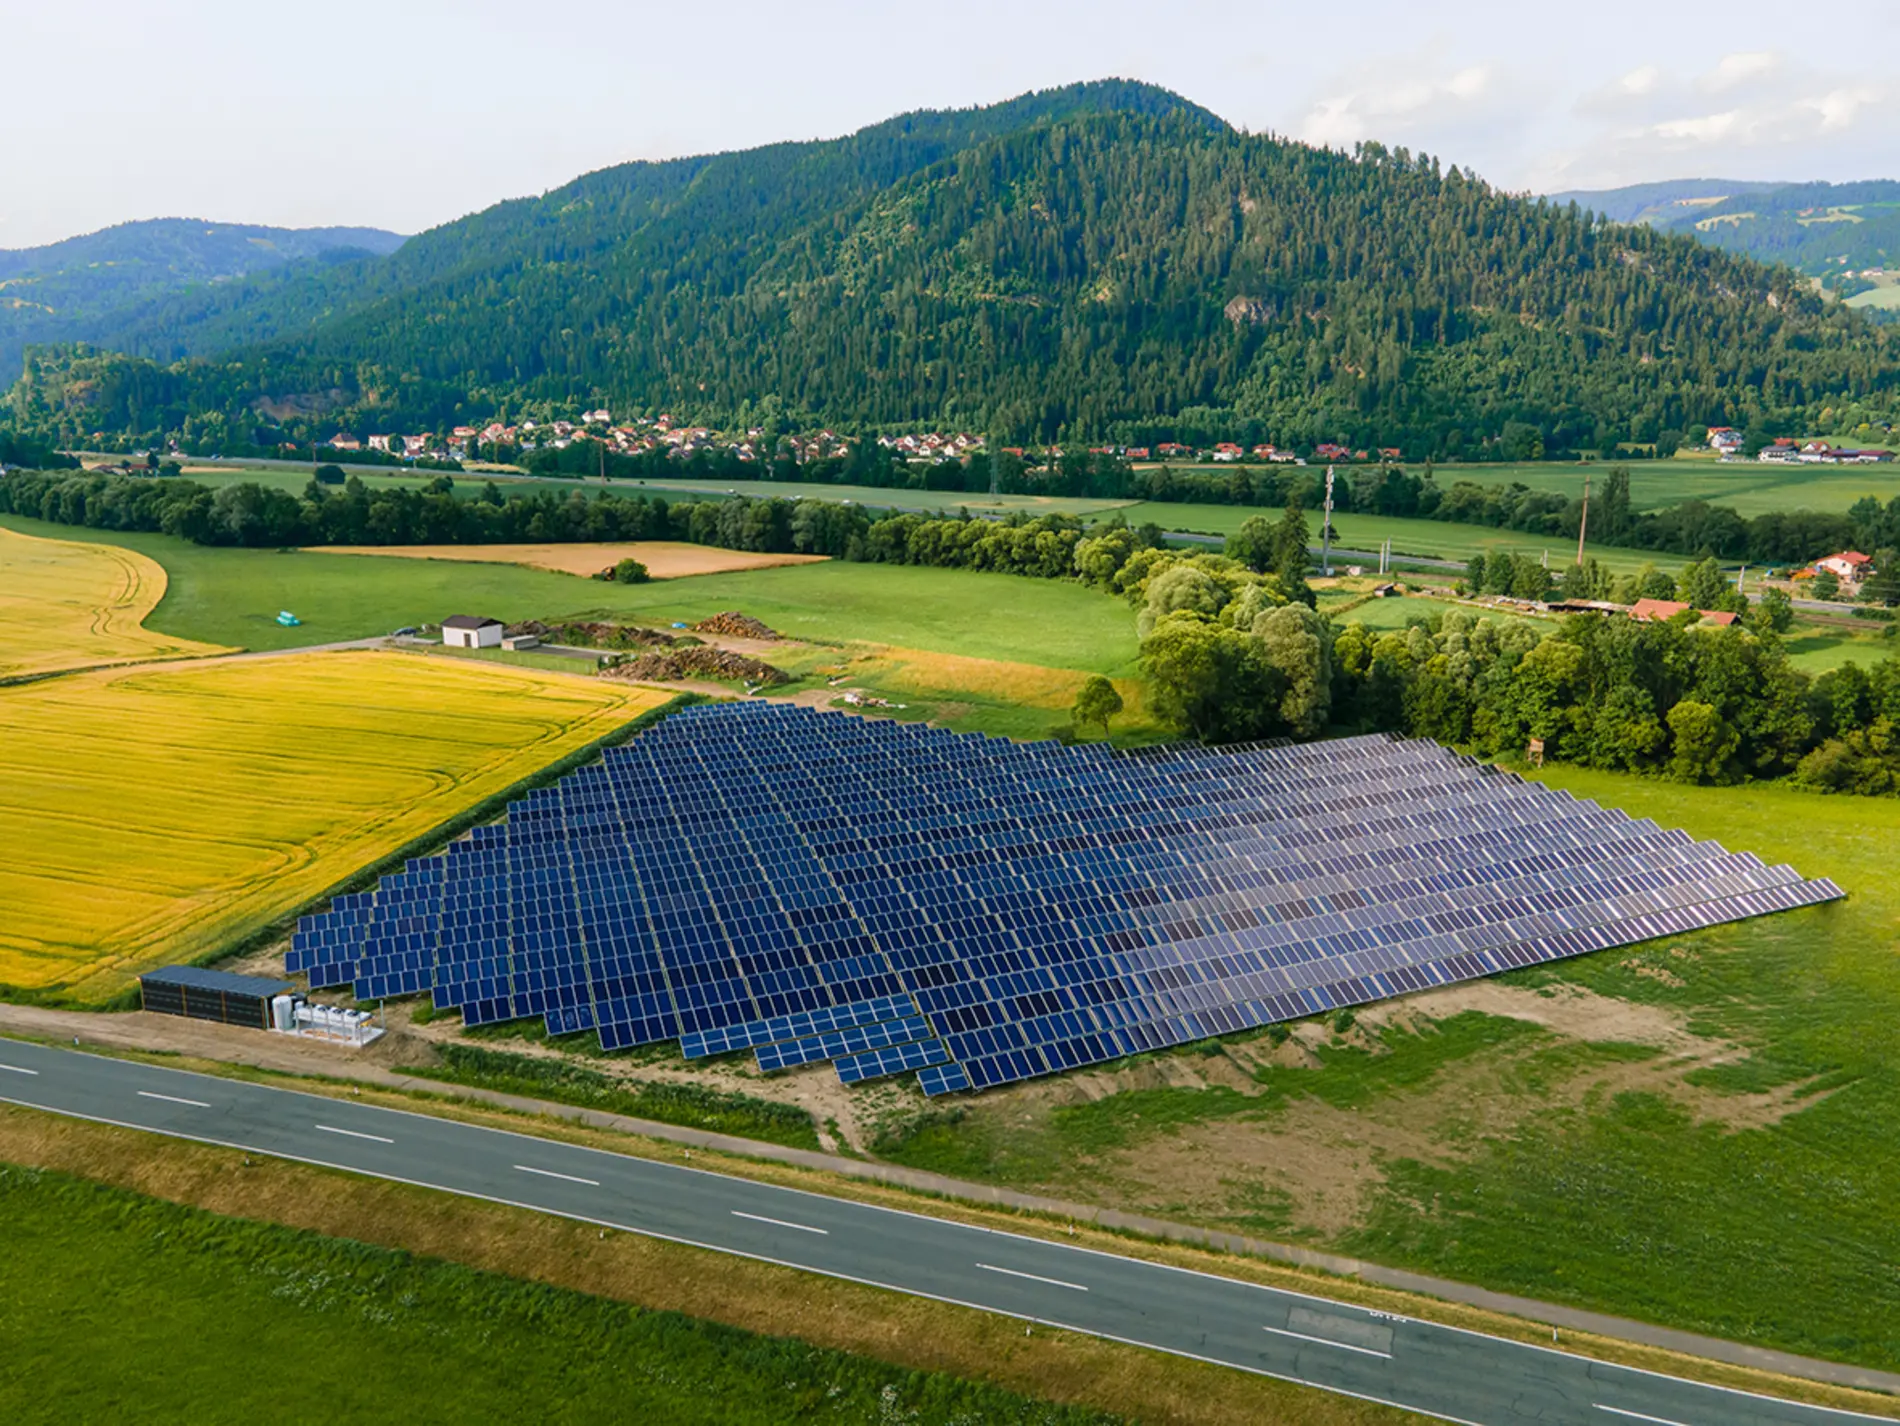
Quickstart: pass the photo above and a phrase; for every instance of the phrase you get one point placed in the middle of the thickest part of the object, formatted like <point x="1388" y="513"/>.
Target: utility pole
<point x="1326" y="528"/>
<point x="1584" y="523"/>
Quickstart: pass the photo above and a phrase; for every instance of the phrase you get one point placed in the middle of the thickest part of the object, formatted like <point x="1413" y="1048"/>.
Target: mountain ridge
<point x="1104" y="260"/>
<point x="84" y="288"/>
<point x="1820" y="229"/>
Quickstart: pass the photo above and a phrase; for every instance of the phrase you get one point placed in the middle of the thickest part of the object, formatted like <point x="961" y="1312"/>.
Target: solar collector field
<point x="891" y="897"/>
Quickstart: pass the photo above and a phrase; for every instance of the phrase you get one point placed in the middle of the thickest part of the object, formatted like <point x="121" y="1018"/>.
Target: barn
<point x="471" y="631"/>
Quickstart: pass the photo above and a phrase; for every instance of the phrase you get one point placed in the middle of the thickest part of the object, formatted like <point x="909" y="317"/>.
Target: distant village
<point x="1728" y="443"/>
<point x="642" y="435"/>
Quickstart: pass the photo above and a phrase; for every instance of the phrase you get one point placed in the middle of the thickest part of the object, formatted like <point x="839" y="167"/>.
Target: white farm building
<point x="471" y="631"/>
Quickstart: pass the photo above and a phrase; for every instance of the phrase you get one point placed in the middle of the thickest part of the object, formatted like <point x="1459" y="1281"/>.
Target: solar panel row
<point x="891" y="897"/>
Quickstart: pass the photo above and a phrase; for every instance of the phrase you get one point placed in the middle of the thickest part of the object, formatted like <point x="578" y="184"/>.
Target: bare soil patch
<point x="1570" y="1010"/>
<point x="1316" y="1165"/>
<point x="664" y="559"/>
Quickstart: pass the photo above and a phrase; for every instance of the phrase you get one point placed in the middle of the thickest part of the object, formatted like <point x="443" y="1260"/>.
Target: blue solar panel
<point x="892" y="897"/>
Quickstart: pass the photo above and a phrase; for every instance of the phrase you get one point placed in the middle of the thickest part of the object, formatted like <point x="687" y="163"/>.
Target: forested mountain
<point x="1663" y="203"/>
<point x="90" y="288"/>
<point x="1101" y="261"/>
<point x="1822" y="229"/>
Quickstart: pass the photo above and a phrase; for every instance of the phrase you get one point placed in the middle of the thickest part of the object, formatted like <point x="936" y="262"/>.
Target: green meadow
<point x="175" y="1314"/>
<point x="1432" y="539"/>
<point x="232" y="597"/>
<point x="1748" y="487"/>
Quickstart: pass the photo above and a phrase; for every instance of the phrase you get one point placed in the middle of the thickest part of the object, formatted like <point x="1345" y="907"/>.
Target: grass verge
<point x="692" y="1105"/>
<point x="368" y="1312"/>
<point x="184" y="1296"/>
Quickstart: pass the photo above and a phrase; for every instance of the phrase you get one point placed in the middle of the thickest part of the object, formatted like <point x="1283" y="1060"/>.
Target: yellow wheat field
<point x="65" y="605"/>
<point x="149" y="815"/>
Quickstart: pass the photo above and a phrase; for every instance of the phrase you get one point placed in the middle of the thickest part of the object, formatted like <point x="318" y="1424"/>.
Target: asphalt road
<point x="1441" y="1371"/>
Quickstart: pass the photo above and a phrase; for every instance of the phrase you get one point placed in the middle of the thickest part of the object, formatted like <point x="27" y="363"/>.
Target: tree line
<point x="1700" y="704"/>
<point x="32" y="452"/>
<point x="1693" y="528"/>
<point x="333" y="510"/>
<point x="257" y="516"/>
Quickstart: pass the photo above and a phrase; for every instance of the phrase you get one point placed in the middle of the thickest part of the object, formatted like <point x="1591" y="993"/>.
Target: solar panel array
<point x="891" y="897"/>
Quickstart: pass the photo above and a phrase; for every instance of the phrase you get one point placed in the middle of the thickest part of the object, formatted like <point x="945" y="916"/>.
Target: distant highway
<point x="1439" y="1371"/>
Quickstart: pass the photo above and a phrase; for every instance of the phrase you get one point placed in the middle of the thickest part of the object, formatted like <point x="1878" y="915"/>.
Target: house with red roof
<point x="1849" y="566"/>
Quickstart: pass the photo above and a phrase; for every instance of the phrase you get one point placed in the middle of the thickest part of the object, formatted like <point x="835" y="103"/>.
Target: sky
<point x="403" y="114"/>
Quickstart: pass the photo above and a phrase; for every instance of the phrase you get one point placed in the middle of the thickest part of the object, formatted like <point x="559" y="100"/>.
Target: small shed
<point x="471" y="631"/>
<point x="211" y="995"/>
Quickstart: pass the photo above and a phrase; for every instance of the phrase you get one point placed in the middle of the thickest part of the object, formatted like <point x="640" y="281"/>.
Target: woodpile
<point x="588" y="635"/>
<point x="734" y="625"/>
<point x="700" y="662"/>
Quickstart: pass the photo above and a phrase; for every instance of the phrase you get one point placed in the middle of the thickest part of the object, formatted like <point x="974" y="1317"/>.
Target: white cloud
<point x="1772" y="116"/>
<point x="1840" y="107"/>
<point x="1733" y="70"/>
<point x="1702" y="129"/>
<point x="1639" y="82"/>
<point x="1387" y="111"/>
<point x="1469" y="83"/>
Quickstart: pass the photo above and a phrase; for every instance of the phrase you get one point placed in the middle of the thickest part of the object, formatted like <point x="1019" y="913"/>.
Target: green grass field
<point x="1706" y="1147"/>
<point x="877" y="497"/>
<point x="1886" y="296"/>
<point x="1746" y="486"/>
<point x="1399" y="613"/>
<point x="294" y="477"/>
<point x="1815" y="649"/>
<point x="339" y="597"/>
<point x="125" y="1308"/>
<point x="1435" y="539"/>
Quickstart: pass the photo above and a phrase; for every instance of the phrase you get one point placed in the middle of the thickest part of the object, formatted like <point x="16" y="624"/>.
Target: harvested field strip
<point x="664" y="559"/>
<point x="159" y="814"/>
<point x="68" y="605"/>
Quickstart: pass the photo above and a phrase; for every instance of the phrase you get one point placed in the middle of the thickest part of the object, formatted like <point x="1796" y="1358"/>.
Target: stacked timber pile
<point x="589" y="635"/>
<point x="734" y="625"/>
<point x="699" y="662"/>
